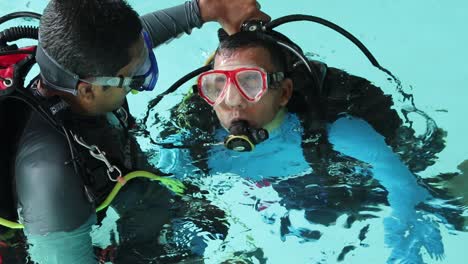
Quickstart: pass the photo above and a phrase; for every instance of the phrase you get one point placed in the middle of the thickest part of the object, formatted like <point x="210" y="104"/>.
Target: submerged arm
<point x="52" y="204"/>
<point x="356" y="138"/>
<point x="407" y="229"/>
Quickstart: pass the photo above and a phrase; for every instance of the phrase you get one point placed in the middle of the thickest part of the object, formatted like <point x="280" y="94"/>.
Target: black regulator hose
<point x="346" y="34"/>
<point x="174" y="87"/>
<point x="19" y="32"/>
<point x="342" y="31"/>
<point x="14" y="15"/>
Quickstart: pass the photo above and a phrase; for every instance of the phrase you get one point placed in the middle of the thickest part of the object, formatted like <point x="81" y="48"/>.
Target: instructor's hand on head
<point x="231" y="13"/>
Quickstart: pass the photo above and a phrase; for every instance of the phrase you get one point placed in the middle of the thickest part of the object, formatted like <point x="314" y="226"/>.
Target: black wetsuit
<point x="51" y="195"/>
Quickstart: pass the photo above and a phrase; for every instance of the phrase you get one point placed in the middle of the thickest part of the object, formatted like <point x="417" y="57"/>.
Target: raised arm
<point x="164" y="25"/>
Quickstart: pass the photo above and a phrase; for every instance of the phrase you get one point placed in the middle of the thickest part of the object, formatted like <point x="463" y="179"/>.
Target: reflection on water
<point x="276" y="205"/>
<point x="346" y="211"/>
<point x="309" y="218"/>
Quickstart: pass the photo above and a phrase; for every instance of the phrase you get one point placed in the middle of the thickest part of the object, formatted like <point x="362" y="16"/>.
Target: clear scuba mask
<point x="59" y="78"/>
<point x="251" y="82"/>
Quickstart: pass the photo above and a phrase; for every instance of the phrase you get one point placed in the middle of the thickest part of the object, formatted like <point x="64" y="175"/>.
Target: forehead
<point x="252" y="56"/>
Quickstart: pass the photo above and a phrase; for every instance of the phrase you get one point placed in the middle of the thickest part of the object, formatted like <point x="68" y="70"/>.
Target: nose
<point x="234" y="98"/>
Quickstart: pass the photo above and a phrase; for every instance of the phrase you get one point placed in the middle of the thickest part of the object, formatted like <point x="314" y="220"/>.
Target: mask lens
<point x="251" y="82"/>
<point x="147" y="74"/>
<point x="144" y="68"/>
<point x="142" y="77"/>
<point x="212" y="85"/>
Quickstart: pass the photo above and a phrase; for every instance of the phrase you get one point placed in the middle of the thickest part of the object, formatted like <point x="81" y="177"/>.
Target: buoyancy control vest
<point x="18" y="103"/>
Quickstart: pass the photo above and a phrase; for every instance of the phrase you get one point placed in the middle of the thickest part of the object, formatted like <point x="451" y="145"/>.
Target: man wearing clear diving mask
<point x="310" y="149"/>
<point x="91" y="54"/>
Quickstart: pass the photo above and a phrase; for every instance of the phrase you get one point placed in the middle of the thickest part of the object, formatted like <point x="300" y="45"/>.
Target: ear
<point x="86" y="94"/>
<point x="286" y="91"/>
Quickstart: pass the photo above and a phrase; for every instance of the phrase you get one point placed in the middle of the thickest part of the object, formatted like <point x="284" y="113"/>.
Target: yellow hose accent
<point x="243" y="137"/>
<point x="174" y="185"/>
<point x="10" y="224"/>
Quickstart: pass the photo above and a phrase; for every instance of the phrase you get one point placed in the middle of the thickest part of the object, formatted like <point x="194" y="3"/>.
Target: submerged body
<point x="274" y="199"/>
<point x="323" y="185"/>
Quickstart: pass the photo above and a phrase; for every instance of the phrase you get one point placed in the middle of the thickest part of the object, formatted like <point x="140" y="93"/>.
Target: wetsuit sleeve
<point x="50" y="196"/>
<point x="407" y="229"/>
<point x="166" y="24"/>
<point x="355" y="137"/>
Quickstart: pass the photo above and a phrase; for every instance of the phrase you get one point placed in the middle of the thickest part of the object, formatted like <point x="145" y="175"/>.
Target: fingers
<point x="231" y="14"/>
<point x="263" y="16"/>
<point x="254" y="12"/>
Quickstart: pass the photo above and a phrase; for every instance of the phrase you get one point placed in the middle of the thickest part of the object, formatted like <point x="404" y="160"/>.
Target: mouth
<point x="240" y="119"/>
<point x="236" y="116"/>
<point x="239" y="127"/>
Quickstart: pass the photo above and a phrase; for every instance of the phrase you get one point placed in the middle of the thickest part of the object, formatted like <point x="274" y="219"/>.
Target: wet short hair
<point x="241" y="40"/>
<point x="89" y="37"/>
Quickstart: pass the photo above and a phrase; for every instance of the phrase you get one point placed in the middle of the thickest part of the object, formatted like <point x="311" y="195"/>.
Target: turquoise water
<point x="421" y="42"/>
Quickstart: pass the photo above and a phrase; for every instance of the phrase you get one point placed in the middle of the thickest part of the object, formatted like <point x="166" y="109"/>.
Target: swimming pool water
<point x="421" y="42"/>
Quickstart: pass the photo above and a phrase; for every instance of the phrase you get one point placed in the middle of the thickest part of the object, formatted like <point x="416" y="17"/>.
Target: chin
<point x="117" y="106"/>
<point x="109" y="109"/>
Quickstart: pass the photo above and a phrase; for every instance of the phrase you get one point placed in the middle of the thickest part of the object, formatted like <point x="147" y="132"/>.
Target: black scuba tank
<point x="15" y="104"/>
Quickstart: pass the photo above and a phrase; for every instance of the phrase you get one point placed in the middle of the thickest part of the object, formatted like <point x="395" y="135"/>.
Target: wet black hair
<point x="243" y="39"/>
<point x="89" y="37"/>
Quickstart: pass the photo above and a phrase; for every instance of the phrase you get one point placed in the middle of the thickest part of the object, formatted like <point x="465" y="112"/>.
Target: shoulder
<point x="359" y="97"/>
<point x="50" y="194"/>
<point x="40" y="144"/>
